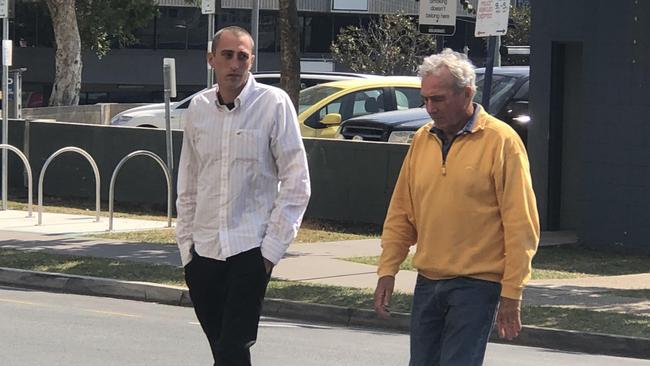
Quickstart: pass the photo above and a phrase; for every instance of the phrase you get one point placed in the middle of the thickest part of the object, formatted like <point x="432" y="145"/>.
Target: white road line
<point x="104" y="312"/>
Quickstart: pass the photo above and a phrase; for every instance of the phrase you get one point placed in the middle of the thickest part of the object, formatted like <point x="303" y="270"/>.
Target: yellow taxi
<point x="323" y="107"/>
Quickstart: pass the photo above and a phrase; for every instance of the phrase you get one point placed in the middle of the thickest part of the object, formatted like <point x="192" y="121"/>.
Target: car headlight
<point x="523" y="119"/>
<point x="401" y="137"/>
<point x="121" y="120"/>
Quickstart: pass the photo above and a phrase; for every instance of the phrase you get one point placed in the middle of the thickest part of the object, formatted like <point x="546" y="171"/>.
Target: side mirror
<point x="331" y="119"/>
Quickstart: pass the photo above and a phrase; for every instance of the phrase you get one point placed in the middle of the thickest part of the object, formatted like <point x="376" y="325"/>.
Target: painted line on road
<point x="274" y="324"/>
<point x="104" y="312"/>
<point x="20" y="302"/>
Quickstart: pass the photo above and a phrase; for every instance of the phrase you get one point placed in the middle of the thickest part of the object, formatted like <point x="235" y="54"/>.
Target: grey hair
<point x="237" y="31"/>
<point x="457" y="63"/>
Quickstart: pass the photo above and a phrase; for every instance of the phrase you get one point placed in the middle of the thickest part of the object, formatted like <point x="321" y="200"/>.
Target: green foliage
<point x="103" y="22"/>
<point x="518" y="36"/>
<point x="390" y="45"/>
<point x="468" y="7"/>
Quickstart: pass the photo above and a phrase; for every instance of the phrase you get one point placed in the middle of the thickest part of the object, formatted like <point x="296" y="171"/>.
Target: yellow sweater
<point x="474" y="215"/>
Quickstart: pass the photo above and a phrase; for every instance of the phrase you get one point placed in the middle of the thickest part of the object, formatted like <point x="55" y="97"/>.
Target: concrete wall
<point x="613" y="157"/>
<point x="351" y="181"/>
<point x="96" y="114"/>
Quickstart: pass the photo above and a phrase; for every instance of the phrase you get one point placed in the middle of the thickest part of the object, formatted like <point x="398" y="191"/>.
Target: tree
<point x="68" y="65"/>
<point x="517" y="35"/>
<point x="390" y="45"/>
<point x="289" y="49"/>
<point x="91" y="25"/>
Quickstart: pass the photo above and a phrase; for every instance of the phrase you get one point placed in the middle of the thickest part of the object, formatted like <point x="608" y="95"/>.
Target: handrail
<point x="29" y="172"/>
<point x="111" y="190"/>
<point x="47" y="163"/>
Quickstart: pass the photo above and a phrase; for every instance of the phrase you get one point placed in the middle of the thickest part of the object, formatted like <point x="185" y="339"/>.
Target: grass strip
<point x="565" y="261"/>
<point x="312" y="231"/>
<point x="554" y="317"/>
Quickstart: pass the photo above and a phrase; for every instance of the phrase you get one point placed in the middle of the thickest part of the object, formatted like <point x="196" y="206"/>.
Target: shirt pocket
<point x="245" y="144"/>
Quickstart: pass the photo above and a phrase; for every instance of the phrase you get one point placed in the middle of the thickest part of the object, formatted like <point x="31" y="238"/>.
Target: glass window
<point x="240" y="18"/>
<point x="333" y="107"/>
<point x="367" y="102"/>
<point x="316" y="33"/>
<point x="178" y="28"/>
<point x="408" y="98"/>
<point x="310" y="96"/>
<point x="32" y="25"/>
<point x="146" y="36"/>
<point x="268" y="37"/>
<point x="502" y="89"/>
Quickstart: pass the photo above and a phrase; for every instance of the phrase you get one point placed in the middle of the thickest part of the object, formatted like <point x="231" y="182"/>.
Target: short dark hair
<point x="238" y="31"/>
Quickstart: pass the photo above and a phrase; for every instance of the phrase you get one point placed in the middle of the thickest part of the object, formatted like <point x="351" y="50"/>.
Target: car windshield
<point x="313" y="95"/>
<point x="502" y="89"/>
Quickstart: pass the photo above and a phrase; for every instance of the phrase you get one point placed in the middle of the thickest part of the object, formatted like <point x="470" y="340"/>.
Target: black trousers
<point x="227" y="297"/>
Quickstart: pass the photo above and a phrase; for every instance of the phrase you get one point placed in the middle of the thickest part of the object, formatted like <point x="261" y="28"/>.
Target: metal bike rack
<point x="111" y="190"/>
<point x="29" y="173"/>
<point x="49" y="160"/>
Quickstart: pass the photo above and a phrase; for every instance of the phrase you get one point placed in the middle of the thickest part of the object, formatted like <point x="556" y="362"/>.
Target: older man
<point x="243" y="186"/>
<point x="464" y="194"/>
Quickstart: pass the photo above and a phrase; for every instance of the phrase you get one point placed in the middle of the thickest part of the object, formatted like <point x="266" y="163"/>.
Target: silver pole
<point x="5" y="114"/>
<point x="210" y="36"/>
<point x="255" y="22"/>
<point x="497" y="54"/>
<point x="170" y="160"/>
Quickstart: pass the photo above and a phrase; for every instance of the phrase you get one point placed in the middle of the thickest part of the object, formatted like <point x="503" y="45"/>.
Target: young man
<point x="243" y="186"/>
<point x="464" y="194"/>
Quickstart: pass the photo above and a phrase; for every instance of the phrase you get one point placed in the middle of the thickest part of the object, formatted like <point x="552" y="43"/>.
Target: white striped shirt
<point x="243" y="180"/>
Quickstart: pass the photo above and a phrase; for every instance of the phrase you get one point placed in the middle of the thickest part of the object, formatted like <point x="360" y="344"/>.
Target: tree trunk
<point x="67" y="78"/>
<point x="290" y="49"/>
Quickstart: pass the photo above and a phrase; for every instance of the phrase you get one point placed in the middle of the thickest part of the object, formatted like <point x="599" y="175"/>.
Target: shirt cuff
<point x="510" y="292"/>
<point x="184" y="249"/>
<point x="273" y="250"/>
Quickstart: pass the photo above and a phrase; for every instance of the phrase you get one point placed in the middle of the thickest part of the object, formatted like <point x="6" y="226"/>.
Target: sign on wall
<point x="438" y="17"/>
<point x="492" y="18"/>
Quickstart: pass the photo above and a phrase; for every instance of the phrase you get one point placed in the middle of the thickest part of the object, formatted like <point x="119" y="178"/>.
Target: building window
<point x="32" y="26"/>
<point x="181" y="28"/>
<point x="316" y="33"/>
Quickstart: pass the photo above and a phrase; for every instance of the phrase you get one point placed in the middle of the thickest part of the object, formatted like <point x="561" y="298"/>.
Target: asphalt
<point x="316" y="263"/>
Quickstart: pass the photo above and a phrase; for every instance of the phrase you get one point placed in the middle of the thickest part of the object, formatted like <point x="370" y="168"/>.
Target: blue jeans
<point x="451" y="321"/>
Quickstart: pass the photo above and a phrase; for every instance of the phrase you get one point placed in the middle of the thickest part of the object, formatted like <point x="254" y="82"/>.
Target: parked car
<point x="508" y="102"/>
<point x="153" y="115"/>
<point x="323" y="107"/>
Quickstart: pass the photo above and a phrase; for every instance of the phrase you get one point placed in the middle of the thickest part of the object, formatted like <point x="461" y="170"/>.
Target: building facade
<point x="134" y="73"/>
<point x="589" y="144"/>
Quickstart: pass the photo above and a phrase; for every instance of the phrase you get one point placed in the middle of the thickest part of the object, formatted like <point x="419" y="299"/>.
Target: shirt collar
<point x="240" y="99"/>
<point x="469" y="126"/>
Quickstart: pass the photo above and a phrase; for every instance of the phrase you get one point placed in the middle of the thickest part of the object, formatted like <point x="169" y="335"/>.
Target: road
<point x="41" y="328"/>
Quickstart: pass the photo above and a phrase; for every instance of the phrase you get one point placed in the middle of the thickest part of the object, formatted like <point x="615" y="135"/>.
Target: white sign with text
<point x="4" y="8"/>
<point x="438" y="17"/>
<point x="207" y="7"/>
<point x="492" y="18"/>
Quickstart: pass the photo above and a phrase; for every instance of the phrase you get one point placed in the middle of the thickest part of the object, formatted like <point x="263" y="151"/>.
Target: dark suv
<point x="509" y="103"/>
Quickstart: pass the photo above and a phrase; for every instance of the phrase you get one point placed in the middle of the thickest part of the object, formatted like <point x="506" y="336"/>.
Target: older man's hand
<point x="509" y="318"/>
<point x="383" y="293"/>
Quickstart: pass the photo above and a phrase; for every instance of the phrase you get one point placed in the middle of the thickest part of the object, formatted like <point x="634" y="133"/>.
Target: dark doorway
<point x="566" y="121"/>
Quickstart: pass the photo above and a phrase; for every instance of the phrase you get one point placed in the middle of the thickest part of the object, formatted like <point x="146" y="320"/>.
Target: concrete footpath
<point x="316" y="263"/>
